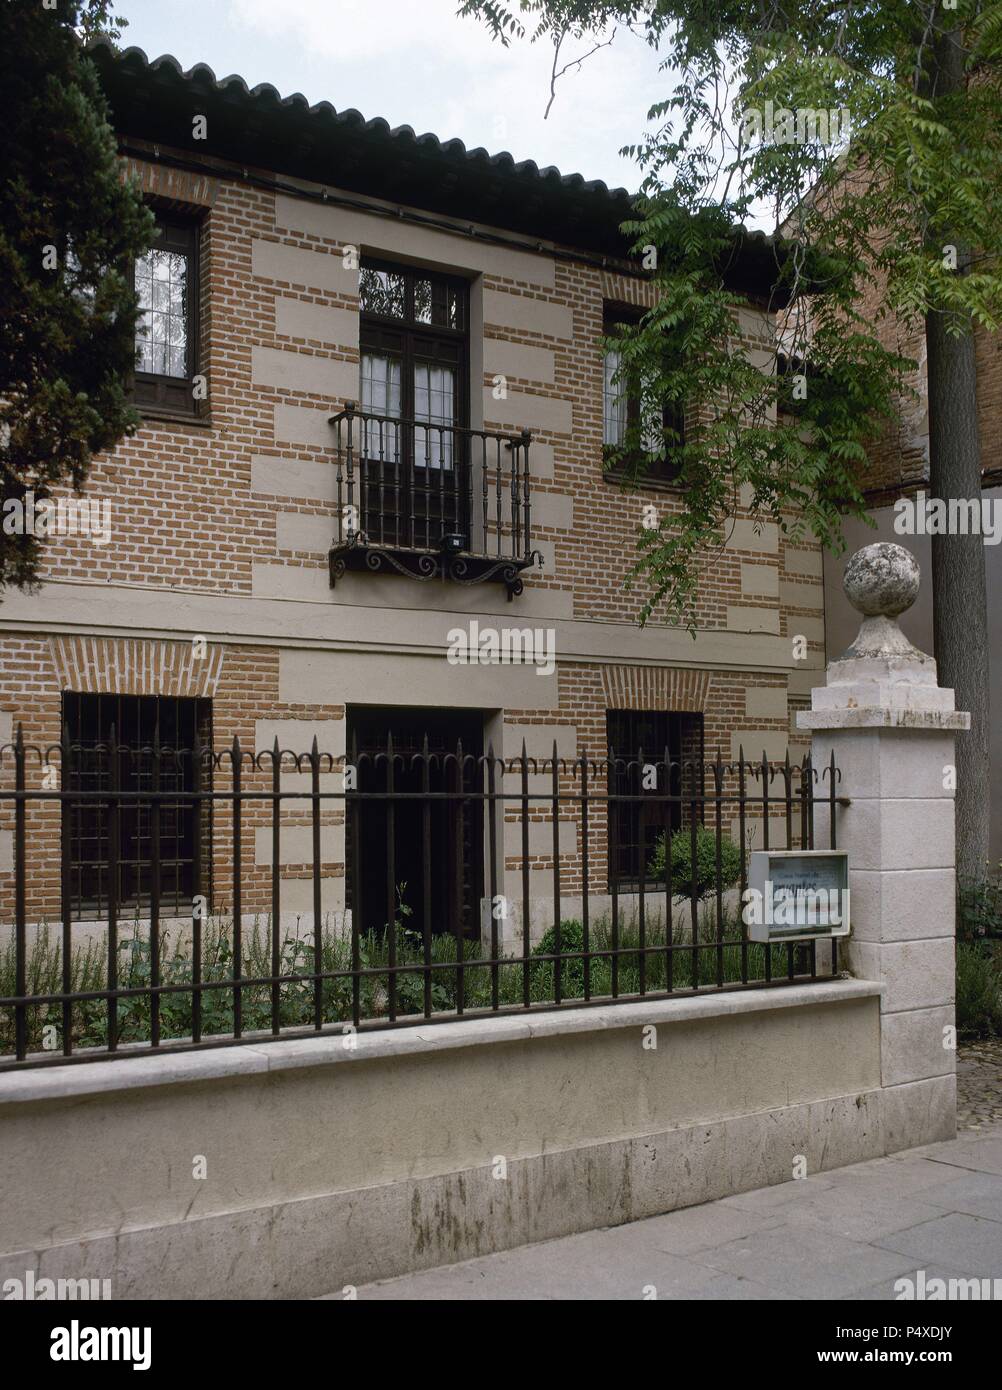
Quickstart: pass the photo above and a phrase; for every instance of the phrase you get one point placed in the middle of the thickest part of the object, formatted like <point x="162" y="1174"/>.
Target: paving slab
<point x="984" y="1154"/>
<point x="596" y="1265"/>
<point x="977" y="1194"/>
<point x="899" y="1175"/>
<point x="860" y="1216"/>
<point x="705" y="1227"/>
<point x="806" y="1262"/>
<point x="890" y="1290"/>
<point x="966" y="1242"/>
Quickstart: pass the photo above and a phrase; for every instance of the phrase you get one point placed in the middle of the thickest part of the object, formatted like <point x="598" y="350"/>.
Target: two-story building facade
<point x="374" y="412"/>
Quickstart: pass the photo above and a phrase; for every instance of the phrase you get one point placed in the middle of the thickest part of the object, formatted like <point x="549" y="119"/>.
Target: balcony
<point x="429" y="500"/>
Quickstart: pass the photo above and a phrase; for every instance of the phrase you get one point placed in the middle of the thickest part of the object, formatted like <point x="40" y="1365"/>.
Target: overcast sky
<point x="415" y="63"/>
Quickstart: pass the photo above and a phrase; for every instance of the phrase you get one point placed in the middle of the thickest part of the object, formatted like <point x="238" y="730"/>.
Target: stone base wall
<point x="435" y="1144"/>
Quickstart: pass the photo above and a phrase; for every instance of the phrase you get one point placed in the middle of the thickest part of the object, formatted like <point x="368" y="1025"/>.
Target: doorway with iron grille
<point x="422" y="851"/>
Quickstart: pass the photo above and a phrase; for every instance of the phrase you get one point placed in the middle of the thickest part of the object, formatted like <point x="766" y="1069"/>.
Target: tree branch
<point x="574" y="63"/>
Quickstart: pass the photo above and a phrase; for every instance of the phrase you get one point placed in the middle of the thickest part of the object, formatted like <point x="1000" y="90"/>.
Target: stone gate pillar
<point x="892" y="730"/>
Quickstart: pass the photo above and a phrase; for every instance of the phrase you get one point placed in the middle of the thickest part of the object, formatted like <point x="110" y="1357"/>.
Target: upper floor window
<point x="621" y="413"/>
<point x="166" y="280"/>
<point x="414" y="350"/>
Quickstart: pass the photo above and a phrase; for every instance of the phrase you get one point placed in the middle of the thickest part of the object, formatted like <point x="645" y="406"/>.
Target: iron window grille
<point x="436" y="833"/>
<point x="113" y="742"/>
<point x="643" y="808"/>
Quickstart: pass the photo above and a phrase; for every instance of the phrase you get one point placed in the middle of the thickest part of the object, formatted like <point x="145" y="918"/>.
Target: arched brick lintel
<point x="127" y="666"/>
<point x="655" y="688"/>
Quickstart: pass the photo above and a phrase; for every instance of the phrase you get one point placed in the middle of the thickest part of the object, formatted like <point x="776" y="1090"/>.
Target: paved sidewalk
<point x="847" y="1234"/>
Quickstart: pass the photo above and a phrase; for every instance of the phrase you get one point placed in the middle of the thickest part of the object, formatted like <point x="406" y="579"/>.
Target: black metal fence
<point x="435" y="859"/>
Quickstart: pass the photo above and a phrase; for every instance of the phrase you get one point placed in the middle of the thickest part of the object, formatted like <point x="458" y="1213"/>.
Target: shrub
<point x="706" y="862"/>
<point x="979" y="990"/>
<point x="979" y="907"/>
<point x="572" y="972"/>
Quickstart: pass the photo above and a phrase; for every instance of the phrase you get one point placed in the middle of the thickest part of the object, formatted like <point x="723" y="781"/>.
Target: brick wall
<point x="899" y="456"/>
<point x="747" y="718"/>
<point x="221" y="525"/>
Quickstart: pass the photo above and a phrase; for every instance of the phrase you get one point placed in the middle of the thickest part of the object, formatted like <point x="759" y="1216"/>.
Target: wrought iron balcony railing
<point x="424" y="499"/>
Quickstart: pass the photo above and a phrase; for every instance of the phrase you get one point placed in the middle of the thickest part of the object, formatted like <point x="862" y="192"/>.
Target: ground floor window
<point x="112" y="739"/>
<point x="638" y="820"/>
<point x="421" y="854"/>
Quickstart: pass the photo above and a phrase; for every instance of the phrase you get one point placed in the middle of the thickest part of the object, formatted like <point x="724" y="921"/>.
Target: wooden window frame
<point x="413" y="342"/>
<point x="662" y="473"/>
<point x="411" y="333"/>
<point x="156" y="393"/>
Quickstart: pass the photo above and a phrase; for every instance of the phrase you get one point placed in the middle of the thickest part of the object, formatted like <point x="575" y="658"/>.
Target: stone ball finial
<point x="882" y="580"/>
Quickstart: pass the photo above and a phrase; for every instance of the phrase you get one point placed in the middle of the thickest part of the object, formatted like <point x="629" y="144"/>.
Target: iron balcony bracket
<point x="357" y="555"/>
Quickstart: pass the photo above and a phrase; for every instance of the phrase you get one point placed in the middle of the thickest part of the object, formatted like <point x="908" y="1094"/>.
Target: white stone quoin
<point x="892" y="729"/>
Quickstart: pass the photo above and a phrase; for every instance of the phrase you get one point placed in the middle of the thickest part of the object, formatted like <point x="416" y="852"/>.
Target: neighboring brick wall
<point x="988" y="358"/>
<point x="899" y="456"/>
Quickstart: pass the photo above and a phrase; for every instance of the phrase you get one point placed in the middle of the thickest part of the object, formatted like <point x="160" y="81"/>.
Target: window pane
<point x="380" y="395"/>
<point x="79" y="288"/>
<point x="654" y="434"/>
<point x="382" y="292"/>
<point x="422" y="301"/>
<point x="614" y="402"/>
<point x="162" y="327"/>
<point x="451" y="308"/>
<point x="434" y="401"/>
<point x="437" y="302"/>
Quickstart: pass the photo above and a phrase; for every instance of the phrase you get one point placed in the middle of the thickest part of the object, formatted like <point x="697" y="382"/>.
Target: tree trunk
<point x="960" y="623"/>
